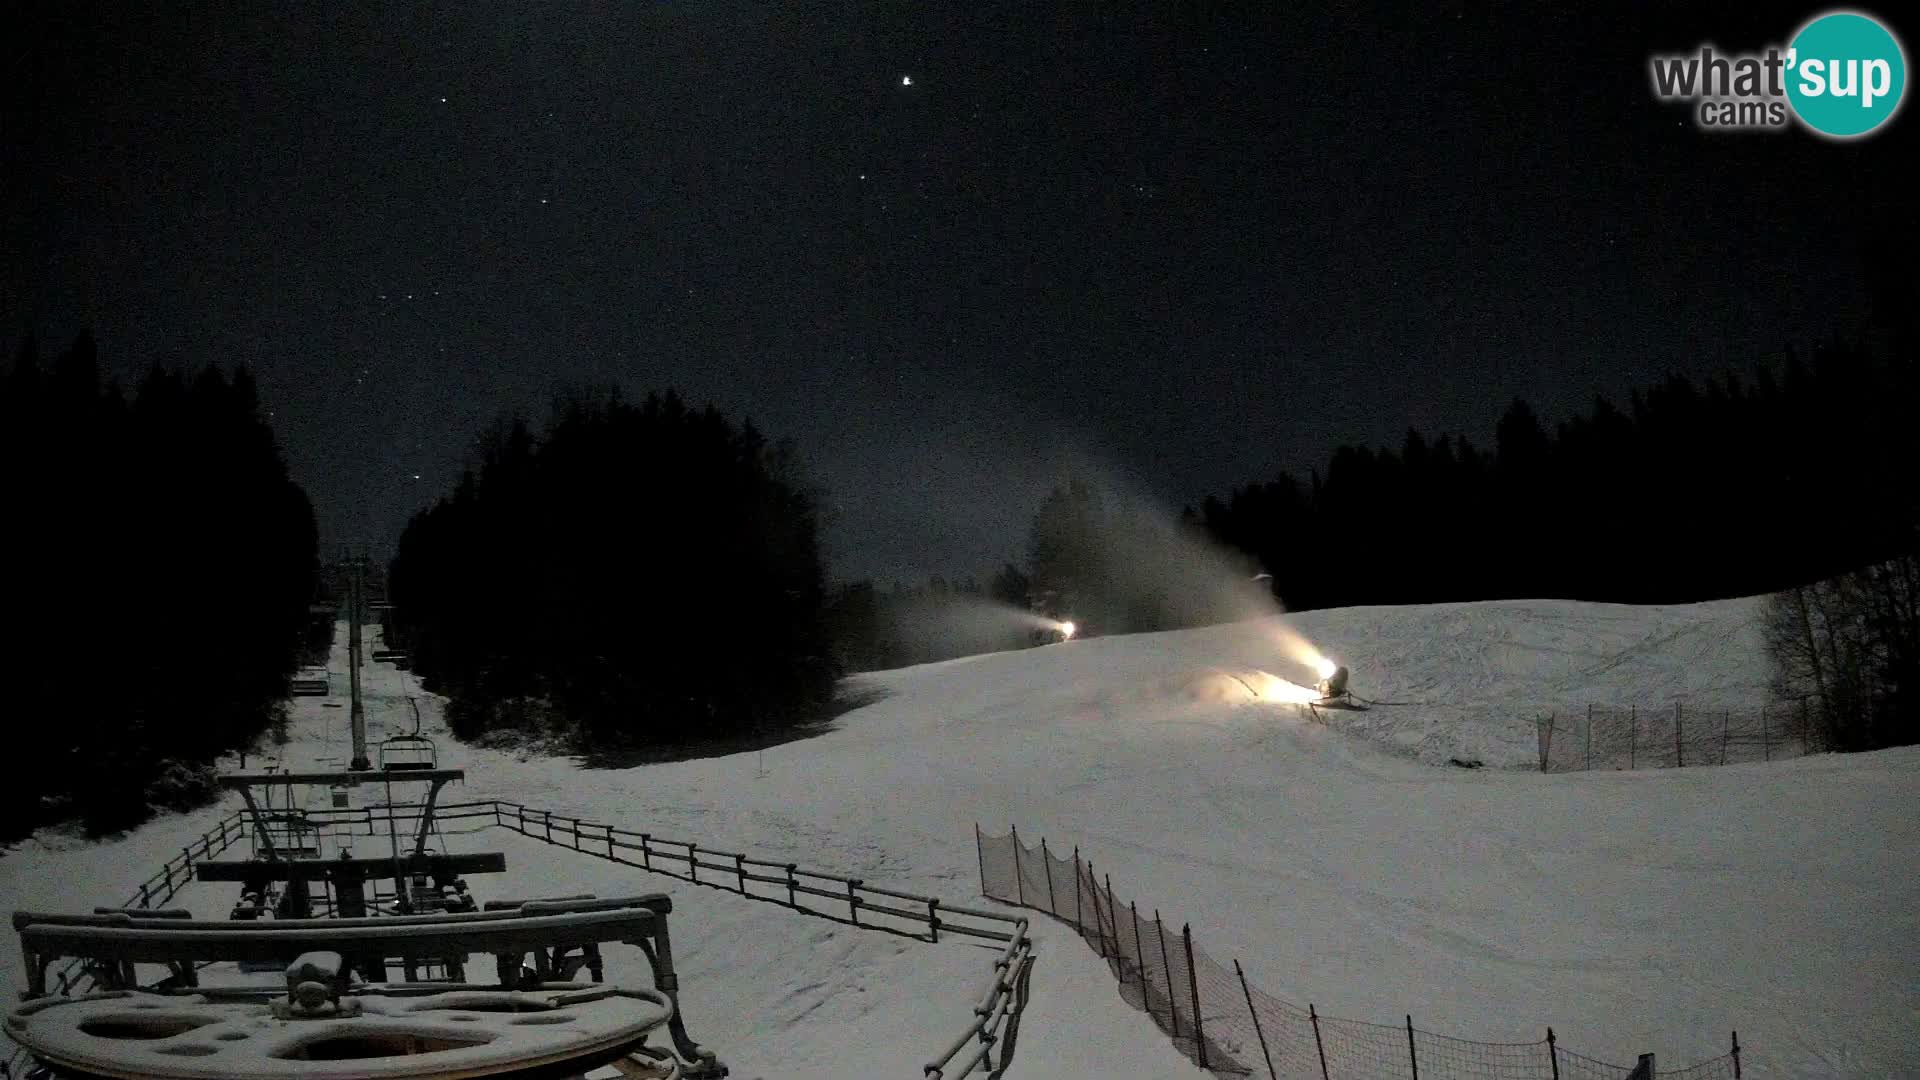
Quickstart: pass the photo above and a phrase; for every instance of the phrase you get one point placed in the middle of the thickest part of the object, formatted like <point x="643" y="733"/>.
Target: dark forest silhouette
<point x="1691" y="492"/>
<point x="162" y="566"/>
<point x="635" y="575"/>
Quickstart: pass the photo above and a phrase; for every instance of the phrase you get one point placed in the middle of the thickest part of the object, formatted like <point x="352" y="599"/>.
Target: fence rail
<point x="1604" y="737"/>
<point x="1003" y="998"/>
<point x="985" y="1044"/>
<point x="1224" y="1024"/>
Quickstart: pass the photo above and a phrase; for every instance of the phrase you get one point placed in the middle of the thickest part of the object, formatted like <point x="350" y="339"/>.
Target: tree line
<point x="635" y="574"/>
<point x="638" y="574"/>
<point x="162" y="567"/>
<point x="1691" y="492"/>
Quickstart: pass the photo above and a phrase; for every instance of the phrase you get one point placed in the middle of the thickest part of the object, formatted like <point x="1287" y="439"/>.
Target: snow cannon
<point x="1335" y="685"/>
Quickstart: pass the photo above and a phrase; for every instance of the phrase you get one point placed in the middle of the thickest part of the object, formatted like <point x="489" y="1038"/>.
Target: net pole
<point x="1193" y="987"/>
<point x="1046" y="863"/>
<point x="1173" y="1009"/>
<point x="1321" y="1047"/>
<point x="980" y="852"/>
<point x="1139" y="955"/>
<point x="1019" y="888"/>
<point x="1078" y="926"/>
<point x="1412" y="1054"/>
<point x="1251" y="1011"/>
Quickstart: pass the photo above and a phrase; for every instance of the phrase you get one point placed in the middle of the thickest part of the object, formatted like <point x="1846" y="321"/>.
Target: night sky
<point x="1188" y="251"/>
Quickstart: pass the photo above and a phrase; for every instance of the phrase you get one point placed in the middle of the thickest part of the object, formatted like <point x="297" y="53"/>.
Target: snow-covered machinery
<point x="302" y="862"/>
<point x="321" y="1018"/>
<point x="323" y="972"/>
<point x="1334" y="686"/>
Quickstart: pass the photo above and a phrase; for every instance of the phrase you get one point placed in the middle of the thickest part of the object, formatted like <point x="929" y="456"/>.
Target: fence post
<point x="853" y="901"/>
<point x="1078" y="926"/>
<point x="1193" y="987"/>
<point x="740" y="867"/>
<point x="1644" y="1070"/>
<point x="1679" y="752"/>
<point x="1546" y="740"/>
<point x="1589" y="734"/>
<point x="1321" y="1047"/>
<point x="793" y="897"/>
<point x="1553" y="1055"/>
<point x="1412" y="1054"/>
<point x="1113" y="923"/>
<point x="1099" y="928"/>
<point x="1046" y="863"/>
<point x="1633" y="736"/>
<point x="1019" y="887"/>
<point x="1766" y="742"/>
<point x="693" y="862"/>
<point x="610" y="852"/>
<point x="1736" y="1056"/>
<point x="646" y="850"/>
<point x="1140" y="955"/>
<point x="1271" y="1075"/>
<point x="1173" y="1009"/>
<point x="980" y="855"/>
<point x="933" y="919"/>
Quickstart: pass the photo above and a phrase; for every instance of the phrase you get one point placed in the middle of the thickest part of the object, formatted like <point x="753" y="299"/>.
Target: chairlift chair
<point x="399" y="753"/>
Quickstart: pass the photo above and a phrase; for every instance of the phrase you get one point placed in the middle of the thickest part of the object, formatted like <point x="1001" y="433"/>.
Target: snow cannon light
<point x="1067" y="630"/>
<point x="1269" y="687"/>
<point x="1325" y="667"/>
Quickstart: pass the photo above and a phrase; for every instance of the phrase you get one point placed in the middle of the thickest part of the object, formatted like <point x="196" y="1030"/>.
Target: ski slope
<point x="1633" y="912"/>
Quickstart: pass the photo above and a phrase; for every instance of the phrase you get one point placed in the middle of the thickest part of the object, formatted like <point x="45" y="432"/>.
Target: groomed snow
<point x="1633" y="912"/>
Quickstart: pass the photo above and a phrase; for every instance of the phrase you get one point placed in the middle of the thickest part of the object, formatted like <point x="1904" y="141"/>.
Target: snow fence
<point x="1224" y="1024"/>
<point x="1675" y="736"/>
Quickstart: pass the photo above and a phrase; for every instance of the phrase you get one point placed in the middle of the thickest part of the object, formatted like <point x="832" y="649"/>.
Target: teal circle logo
<point x="1845" y="74"/>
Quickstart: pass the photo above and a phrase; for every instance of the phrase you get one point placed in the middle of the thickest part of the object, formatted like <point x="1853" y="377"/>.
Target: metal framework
<point x="537" y="946"/>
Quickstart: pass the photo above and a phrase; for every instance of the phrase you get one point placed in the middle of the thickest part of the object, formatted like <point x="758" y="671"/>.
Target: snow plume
<point x="938" y="624"/>
<point x="1298" y="649"/>
<point x="1114" y="562"/>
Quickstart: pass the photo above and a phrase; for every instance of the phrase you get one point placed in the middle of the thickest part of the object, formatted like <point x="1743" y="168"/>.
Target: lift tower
<point x="356" y="594"/>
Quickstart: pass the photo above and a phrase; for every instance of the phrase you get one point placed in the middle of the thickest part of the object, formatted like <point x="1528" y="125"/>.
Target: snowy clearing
<point x="1633" y="912"/>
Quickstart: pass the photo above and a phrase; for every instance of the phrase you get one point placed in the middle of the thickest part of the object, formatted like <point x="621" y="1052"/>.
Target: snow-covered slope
<point x="1634" y="912"/>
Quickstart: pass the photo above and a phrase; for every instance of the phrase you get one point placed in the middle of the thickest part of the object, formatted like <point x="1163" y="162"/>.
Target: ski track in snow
<point x="1648" y="911"/>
